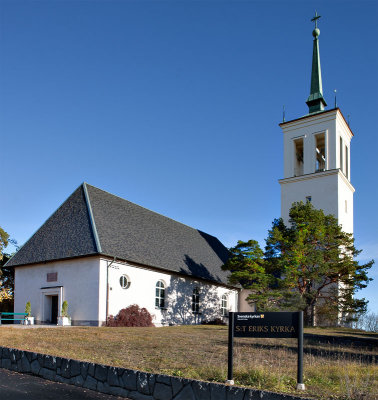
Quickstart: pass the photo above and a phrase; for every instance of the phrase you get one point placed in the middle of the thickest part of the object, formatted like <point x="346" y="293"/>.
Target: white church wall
<point x="178" y="294"/>
<point x="79" y="281"/>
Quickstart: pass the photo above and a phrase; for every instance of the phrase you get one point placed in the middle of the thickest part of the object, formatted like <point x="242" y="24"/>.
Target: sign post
<point x="230" y="372"/>
<point x="300" y="384"/>
<point x="268" y="325"/>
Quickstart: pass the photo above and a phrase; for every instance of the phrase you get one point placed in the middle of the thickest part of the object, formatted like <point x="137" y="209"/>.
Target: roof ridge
<point x="91" y="218"/>
<point x="145" y="208"/>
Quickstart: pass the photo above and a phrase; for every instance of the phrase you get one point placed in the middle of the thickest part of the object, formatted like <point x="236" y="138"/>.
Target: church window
<point x="298" y="161"/>
<point x="308" y="199"/>
<point x="347" y="162"/>
<point x="124" y="281"/>
<point x="195" y="300"/>
<point x="160" y="294"/>
<point x="341" y="154"/>
<point x="224" y="305"/>
<point x="320" y="154"/>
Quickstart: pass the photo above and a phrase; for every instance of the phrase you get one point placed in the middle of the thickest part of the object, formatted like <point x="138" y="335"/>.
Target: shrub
<point x="64" y="312"/>
<point x="215" y="321"/>
<point x="28" y="309"/>
<point x="131" y="316"/>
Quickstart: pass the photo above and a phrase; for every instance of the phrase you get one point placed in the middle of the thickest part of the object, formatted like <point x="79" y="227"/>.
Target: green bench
<point x="9" y="315"/>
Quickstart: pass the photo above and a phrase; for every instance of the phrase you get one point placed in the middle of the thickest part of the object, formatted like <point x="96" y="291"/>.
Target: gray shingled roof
<point x="92" y="221"/>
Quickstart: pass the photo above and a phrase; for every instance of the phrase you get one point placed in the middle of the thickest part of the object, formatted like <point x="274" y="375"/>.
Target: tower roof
<point x="316" y="100"/>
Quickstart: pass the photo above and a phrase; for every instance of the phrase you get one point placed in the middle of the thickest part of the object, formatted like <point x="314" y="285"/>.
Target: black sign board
<point x="266" y="325"/>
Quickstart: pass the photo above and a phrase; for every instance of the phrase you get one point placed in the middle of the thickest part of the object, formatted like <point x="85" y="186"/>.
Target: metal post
<point x="230" y="381"/>
<point x="0" y="318"/>
<point x="300" y="384"/>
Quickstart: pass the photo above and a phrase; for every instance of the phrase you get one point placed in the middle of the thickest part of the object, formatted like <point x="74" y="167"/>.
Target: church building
<point x="317" y="154"/>
<point x="101" y="253"/>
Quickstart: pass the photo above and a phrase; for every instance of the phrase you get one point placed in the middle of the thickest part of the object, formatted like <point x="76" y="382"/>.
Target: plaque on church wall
<point x="52" y="276"/>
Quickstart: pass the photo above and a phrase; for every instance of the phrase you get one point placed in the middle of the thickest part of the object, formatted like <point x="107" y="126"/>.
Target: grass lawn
<point x="345" y="371"/>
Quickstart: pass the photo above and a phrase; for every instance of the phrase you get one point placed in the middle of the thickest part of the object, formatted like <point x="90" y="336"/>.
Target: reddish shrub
<point x="131" y="316"/>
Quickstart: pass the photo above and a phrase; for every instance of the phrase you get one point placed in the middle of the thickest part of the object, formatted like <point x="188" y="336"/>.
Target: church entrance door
<point x="54" y="309"/>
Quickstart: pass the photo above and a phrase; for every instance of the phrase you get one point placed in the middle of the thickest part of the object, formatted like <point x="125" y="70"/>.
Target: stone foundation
<point x="135" y="385"/>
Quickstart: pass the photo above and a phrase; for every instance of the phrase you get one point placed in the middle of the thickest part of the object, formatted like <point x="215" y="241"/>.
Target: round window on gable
<point x="124" y="281"/>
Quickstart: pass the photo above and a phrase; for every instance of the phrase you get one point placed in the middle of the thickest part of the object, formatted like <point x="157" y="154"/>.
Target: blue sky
<point x="175" y="105"/>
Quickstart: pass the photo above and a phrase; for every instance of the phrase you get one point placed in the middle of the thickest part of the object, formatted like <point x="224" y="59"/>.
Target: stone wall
<point x="135" y="385"/>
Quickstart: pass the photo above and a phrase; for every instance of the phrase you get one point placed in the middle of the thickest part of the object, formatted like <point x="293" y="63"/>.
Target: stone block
<point x="65" y="369"/>
<point x="60" y="379"/>
<point x="49" y="362"/>
<point x="90" y="383"/>
<point x="117" y="391"/>
<point x="25" y="364"/>
<point x="6" y="363"/>
<point x="162" y="391"/>
<point x="58" y="361"/>
<point x="113" y="379"/>
<point x="101" y="372"/>
<point x="142" y="383"/>
<point x="151" y="382"/>
<point x="13" y="357"/>
<point x="185" y="394"/>
<point x="35" y="367"/>
<point x="177" y="385"/>
<point x="234" y="393"/>
<point x="47" y="374"/>
<point x="103" y="387"/>
<point x="6" y="353"/>
<point x="217" y="391"/>
<point x="201" y="390"/>
<point x="91" y="369"/>
<point x="84" y="369"/>
<point x="139" y="396"/>
<point x="77" y="380"/>
<point x="75" y="368"/>
<point x="129" y="380"/>
<point x="29" y="356"/>
<point x="163" y="379"/>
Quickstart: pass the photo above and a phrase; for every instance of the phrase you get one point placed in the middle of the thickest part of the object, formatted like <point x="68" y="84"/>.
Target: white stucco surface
<point x="330" y="190"/>
<point x="77" y="283"/>
<point x="178" y="294"/>
<point x="83" y="284"/>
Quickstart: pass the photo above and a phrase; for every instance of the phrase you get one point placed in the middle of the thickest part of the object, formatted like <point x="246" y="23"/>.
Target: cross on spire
<point x="315" y="19"/>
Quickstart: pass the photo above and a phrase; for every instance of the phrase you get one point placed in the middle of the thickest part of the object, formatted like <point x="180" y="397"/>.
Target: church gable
<point x="66" y="234"/>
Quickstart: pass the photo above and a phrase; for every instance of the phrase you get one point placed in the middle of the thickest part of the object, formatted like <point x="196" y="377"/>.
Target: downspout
<point x="108" y="288"/>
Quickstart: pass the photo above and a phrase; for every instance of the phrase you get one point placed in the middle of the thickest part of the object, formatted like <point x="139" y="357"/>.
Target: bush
<point x="28" y="309"/>
<point x="215" y="321"/>
<point x="131" y="316"/>
<point x="64" y="312"/>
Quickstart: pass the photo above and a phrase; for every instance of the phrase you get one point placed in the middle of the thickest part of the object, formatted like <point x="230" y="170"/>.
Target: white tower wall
<point x="317" y="165"/>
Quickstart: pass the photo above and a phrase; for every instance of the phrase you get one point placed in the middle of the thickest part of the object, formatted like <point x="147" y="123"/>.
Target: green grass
<point x="200" y="352"/>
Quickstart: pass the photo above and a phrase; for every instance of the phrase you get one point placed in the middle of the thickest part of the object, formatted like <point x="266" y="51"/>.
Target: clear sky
<point x="175" y="105"/>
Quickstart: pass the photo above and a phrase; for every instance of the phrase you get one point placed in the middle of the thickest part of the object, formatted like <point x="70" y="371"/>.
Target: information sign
<point x="266" y="325"/>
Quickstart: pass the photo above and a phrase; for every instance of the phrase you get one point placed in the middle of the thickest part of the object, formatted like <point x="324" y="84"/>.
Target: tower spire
<point x="316" y="100"/>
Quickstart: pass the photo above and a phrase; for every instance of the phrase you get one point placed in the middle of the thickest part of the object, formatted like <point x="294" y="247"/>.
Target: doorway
<point x="54" y="309"/>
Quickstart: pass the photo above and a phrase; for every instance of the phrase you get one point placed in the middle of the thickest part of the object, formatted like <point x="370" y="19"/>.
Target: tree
<point x="6" y="274"/>
<point x="248" y="268"/>
<point x="310" y="265"/>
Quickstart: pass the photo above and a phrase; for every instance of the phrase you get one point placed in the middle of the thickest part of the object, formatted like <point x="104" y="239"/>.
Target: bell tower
<point x="317" y="154"/>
